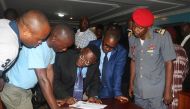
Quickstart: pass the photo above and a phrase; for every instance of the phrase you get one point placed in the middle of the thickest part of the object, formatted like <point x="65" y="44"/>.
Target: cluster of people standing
<point x="34" y="52"/>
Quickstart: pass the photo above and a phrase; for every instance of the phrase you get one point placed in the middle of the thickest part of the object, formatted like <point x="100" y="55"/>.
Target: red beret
<point x="143" y="17"/>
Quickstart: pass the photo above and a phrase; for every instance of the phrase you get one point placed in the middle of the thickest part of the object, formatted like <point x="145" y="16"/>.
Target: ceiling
<point x="98" y="11"/>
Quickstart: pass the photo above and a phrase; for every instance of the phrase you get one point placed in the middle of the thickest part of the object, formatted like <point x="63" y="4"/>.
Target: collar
<point x="108" y="54"/>
<point x="14" y="26"/>
<point x="84" y="31"/>
<point x="149" y="34"/>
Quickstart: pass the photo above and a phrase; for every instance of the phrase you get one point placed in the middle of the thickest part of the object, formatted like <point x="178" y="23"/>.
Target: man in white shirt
<point x="84" y="35"/>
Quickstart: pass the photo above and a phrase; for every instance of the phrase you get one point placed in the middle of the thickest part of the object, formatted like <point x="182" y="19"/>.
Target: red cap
<point x="143" y="17"/>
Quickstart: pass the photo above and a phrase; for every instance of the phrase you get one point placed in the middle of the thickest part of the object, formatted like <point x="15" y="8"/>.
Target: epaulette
<point x="130" y="33"/>
<point x="160" y="31"/>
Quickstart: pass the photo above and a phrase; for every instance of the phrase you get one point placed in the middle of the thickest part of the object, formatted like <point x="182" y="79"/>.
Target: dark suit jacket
<point x="65" y="71"/>
<point x="114" y="70"/>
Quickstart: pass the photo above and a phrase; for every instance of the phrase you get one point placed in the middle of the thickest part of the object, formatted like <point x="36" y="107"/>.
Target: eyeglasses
<point x="83" y="60"/>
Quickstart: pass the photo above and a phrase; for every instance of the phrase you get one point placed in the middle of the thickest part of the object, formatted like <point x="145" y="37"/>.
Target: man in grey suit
<point x="77" y="72"/>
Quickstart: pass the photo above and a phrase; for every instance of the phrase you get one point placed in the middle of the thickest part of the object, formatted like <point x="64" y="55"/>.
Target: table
<point x="114" y="104"/>
<point x="184" y="100"/>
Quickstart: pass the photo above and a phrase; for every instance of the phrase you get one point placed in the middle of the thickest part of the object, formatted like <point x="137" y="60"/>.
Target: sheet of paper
<point x="87" y="105"/>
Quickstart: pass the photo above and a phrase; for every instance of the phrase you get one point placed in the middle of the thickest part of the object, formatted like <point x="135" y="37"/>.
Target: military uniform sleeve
<point x="130" y="48"/>
<point x="167" y="47"/>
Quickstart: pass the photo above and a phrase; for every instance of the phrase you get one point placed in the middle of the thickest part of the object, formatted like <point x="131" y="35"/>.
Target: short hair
<point x="84" y="18"/>
<point x="114" y="32"/>
<point x="65" y="27"/>
<point x="95" y="50"/>
<point x="10" y="14"/>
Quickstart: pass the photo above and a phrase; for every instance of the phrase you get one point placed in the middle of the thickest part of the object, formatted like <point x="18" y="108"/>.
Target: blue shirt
<point x="22" y="74"/>
<point x="84" y="71"/>
<point x="102" y="59"/>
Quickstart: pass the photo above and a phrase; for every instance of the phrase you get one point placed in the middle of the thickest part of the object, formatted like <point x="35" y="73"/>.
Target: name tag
<point x="151" y="48"/>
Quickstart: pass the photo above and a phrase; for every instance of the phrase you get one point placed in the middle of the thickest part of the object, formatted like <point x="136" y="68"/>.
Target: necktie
<point x="104" y="69"/>
<point x="78" y="88"/>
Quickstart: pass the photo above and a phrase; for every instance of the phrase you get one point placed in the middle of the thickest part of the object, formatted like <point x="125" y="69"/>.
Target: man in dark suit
<point x="112" y="63"/>
<point x="70" y="67"/>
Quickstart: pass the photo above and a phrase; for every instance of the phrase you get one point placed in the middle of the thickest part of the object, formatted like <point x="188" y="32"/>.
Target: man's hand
<point x="70" y="100"/>
<point x="168" y="98"/>
<point x="94" y="100"/>
<point x="60" y="102"/>
<point x="122" y="99"/>
<point x="168" y="83"/>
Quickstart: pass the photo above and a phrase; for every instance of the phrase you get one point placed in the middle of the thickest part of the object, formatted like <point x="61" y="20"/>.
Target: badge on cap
<point x="130" y="33"/>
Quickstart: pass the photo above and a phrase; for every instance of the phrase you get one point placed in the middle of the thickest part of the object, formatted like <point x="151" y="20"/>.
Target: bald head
<point x="62" y="31"/>
<point x="33" y="27"/>
<point x="113" y="32"/>
<point x="61" y="38"/>
<point x="35" y="20"/>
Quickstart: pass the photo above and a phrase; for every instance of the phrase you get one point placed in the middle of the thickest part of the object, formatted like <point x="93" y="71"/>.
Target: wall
<point x="184" y="17"/>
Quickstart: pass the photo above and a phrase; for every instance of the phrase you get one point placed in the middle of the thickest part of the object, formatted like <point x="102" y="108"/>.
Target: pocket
<point x="11" y="96"/>
<point x="152" y="53"/>
<point x="16" y="99"/>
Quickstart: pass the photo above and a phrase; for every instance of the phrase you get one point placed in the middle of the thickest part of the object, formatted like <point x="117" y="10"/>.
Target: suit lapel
<point x="74" y="67"/>
<point x="113" y="55"/>
<point x="88" y="73"/>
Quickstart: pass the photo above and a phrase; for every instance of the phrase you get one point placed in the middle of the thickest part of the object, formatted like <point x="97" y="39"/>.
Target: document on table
<point x="87" y="105"/>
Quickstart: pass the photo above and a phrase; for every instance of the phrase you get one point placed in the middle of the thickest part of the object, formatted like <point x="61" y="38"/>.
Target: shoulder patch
<point x="160" y="31"/>
<point x="130" y="33"/>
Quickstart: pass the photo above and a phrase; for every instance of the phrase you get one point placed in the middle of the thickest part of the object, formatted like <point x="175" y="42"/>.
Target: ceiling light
<point x="60" y="14"/>
<point x="164" y="18"/>
<point x="156" y="16"/>
<point x="71" y="18"/>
